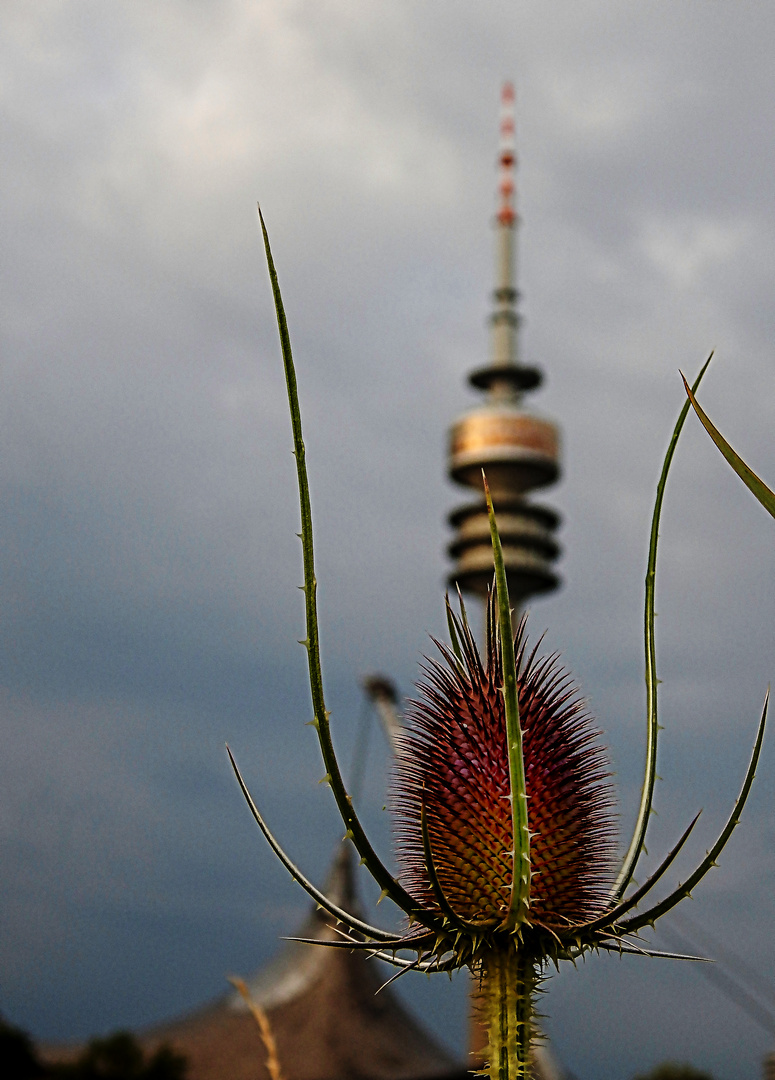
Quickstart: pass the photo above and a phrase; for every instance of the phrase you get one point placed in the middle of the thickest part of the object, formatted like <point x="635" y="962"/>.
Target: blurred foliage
<point x="120" y="1057"/>
<point x="675" y="1070"/>
<point x="117" y="1057"/>
<point x="18" y="1060"/>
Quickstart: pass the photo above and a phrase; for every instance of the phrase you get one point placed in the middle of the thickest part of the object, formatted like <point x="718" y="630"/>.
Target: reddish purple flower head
<point x="455" y="761"/>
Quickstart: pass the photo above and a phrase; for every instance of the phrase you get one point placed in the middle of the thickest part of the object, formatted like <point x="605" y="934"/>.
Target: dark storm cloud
<point x="147" y="556"/>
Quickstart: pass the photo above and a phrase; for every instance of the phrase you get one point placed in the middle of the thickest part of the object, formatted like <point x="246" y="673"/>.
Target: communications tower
<point x="518" y="450"/>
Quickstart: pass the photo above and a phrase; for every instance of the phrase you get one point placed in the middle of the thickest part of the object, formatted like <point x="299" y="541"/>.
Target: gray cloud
<point x="147" y="558"/>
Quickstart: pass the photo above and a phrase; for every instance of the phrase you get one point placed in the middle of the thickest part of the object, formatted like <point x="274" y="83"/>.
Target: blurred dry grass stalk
<point x="264" y="1027"/>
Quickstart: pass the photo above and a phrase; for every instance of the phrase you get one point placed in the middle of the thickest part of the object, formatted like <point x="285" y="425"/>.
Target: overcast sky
<point x="148" y="563"/>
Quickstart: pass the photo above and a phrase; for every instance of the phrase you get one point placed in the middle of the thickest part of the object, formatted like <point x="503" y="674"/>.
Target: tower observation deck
<point x="517" y="450"/>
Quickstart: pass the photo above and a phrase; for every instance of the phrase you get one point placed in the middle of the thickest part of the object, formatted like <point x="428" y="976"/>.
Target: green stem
<point x="508" y="988"/>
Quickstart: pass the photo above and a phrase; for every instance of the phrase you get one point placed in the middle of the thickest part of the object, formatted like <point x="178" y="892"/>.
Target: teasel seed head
<point x="453" y="769"/>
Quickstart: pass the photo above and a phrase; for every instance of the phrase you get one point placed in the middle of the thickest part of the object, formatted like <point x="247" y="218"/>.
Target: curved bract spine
<point x="455" y="921"/>
<point x="652" y="682"/>
<point x="432" y="963"/>
<point x="614" y="914"/>
<point x="319" y="897"/>
<point x="453" y="634"/>
<point x="649" y="917"/>
<point x="754" y="483"/>
<point x="355" y="832"/>
<point x="519" y="900"/>
<point x="631" y="950"/>
<point x="428" y="966"/>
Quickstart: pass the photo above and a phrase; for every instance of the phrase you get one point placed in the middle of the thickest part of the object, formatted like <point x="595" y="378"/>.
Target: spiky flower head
<point x="453" y="769"/>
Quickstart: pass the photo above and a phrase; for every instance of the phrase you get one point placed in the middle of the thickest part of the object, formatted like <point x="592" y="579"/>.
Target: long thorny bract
<point x="355" y="831"/>
<point x="652" y="682"/>
<point x="755" y="484"/>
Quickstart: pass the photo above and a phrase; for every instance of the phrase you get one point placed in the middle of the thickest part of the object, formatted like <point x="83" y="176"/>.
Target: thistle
<point x="502" y="803"/>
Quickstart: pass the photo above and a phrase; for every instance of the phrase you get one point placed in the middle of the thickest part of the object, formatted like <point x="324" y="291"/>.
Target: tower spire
<point x="507" y="156"/>
<point x="505" y="321"/>
<point x="517" y="450"/>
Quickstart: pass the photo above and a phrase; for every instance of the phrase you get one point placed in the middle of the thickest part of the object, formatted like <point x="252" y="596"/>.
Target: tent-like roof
<point x="326" y="1017"/>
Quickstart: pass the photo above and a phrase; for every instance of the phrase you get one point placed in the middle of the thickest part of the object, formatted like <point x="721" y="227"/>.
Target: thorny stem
<point x="509" y="983"/>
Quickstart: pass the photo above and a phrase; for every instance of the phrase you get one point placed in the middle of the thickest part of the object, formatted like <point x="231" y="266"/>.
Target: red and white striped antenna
<point x="507" y="157"/>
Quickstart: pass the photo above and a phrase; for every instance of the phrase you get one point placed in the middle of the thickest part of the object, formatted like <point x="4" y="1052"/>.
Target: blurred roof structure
<point x="326" y="1017"/>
